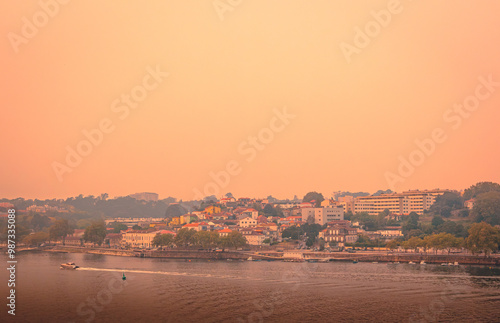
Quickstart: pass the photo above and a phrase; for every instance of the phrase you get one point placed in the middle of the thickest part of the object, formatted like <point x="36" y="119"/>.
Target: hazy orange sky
<point x="229" y="70"/>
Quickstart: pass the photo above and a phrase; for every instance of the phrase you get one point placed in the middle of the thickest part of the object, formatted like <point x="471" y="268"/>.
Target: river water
<point x="159" y="290"/>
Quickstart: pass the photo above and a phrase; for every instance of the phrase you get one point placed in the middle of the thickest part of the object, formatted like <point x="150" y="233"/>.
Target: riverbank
<point x="280" y="256"/>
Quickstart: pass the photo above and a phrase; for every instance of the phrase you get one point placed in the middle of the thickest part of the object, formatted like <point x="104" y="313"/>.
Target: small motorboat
<point x="69" y="265"/>
<point x="423" y="262"/>
<point x="455" y="263"/>
<point x="354" y="261"/>
<point x="444" y="264"/>
<point x="411" y="263"/>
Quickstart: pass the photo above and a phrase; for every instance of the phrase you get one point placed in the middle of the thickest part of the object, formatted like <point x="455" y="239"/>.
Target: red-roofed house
<point x="195" y="226"/>
<point x="306" y="204"/>
<point x="261" y="219"/>
<point x="224" y="232"/>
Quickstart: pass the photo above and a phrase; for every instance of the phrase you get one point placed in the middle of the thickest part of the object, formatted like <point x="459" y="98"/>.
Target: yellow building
<point x="157" y="224"/>
<point x="175" y="221"/>
<point x="211" y="209"/>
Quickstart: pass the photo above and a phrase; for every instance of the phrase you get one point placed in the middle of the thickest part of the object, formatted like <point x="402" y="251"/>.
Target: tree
<point x="95" y="233"/>
<point x="414" y="243"/>
<point x="445" y="241"/>
<point x="60" y="229"/>
<point x="314" y="196"/>
<point x="83" y="223"/>
<point x="415" y="233"/>
<point x="36" y="238"/>
<point x="437" y="221"/>
<point x="293" y="232"/>
<point x="370" y="222"/>
<point x="480" y="188"/>
<point x="174" y="210"/>
<point x="269" y="210"/>
<point x="206" y="239"/>
<point x="163" y="240"/>
<point x="482" y="238"/>
<point x="39" y="222"/>
<point x="321" y="244"/>
<point x="266" y="241"/>
<point x="233" y="239"/>
<point x="452" y="227"/>
<point x="184" y="237"/>
<point x="136" y="227"/>
<point x="487" y="208"/>
<point x="393" y="244"/>
<point x="411" y="223"/>
<point x="117" y="227"/>
<point x="446" y="203"/>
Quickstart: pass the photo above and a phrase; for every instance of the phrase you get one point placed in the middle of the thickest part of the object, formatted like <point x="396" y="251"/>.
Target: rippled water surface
<point x="159" y="290"/>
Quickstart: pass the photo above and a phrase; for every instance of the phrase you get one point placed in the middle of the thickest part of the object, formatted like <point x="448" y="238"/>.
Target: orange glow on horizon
<point x="268" y="98"/>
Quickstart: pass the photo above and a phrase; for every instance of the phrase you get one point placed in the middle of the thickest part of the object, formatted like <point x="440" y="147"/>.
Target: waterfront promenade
<point x="302" y="255"/>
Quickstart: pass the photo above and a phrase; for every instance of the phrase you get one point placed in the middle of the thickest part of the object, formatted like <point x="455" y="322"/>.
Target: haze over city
<point x="218" y="79"/>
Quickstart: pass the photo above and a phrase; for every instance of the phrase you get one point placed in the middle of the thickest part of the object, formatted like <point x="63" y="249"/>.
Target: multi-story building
<point x="247" y="222"/>
<point x="255" y="238"/>
<point x="390" y="233"/>
<point x="188" y="218"/>
<point x="397" y="203"/>
<point x="175" y="221"/>
<point x="322" y="215"/>
<point x="139" y="238"/>
<point x="347" y="203"/>
<point x="254" y="214"/>
<point x="211" y="209"/>
<point x="341" y="233"/>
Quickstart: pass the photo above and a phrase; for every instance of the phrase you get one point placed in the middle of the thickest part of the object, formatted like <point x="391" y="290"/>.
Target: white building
<point x="254" y="214"/>
<point x="322" y="215"/>
<point x="139" y="239"/>
<point x="398" y="203"/>
<point x="255" y="239"/>
<point x="247" y="222"/>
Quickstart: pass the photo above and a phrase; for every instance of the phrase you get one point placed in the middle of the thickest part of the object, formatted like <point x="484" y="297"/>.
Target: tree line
<point x="482" y="238"/>
<point x="202" y="239"/>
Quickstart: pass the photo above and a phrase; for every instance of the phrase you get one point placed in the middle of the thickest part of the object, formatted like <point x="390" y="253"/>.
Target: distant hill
<point x="99" y="207"/>
<point x="355" y="194"/>
<point x="380" y="192"/>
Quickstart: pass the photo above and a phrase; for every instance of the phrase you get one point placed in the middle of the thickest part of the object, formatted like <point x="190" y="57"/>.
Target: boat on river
<point x="69" y="265"/>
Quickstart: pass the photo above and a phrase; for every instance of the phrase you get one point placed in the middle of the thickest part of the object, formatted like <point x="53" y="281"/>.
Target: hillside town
<point x="405" y="220"/>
